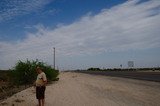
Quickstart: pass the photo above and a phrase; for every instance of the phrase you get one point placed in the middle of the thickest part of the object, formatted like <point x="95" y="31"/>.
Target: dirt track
<point x="78" y="89"/>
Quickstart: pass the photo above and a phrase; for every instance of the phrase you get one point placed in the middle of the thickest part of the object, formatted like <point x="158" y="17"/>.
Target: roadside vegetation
<point x="22" y="76"/>
<point x="24" y="72"/>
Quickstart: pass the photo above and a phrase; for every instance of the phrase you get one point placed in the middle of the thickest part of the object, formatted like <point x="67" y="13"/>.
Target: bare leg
<point x="43" y="102"/>
<point x="39" y="102"/>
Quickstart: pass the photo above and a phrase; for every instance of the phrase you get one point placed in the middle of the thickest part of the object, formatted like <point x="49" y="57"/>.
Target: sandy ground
<point x="78" y="89"/>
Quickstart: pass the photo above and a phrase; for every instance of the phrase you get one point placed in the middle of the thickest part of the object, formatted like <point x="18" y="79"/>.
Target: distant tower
<point x="54" y="56"/>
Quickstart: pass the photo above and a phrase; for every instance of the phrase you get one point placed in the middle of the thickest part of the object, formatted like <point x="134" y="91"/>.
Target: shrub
<point x="94" y="69"/>
<point x="24" y="72"/>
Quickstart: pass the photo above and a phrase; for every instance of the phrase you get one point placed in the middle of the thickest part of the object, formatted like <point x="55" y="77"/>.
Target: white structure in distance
<point x="130" y="64"/>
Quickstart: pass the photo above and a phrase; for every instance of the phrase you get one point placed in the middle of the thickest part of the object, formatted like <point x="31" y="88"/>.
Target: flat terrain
<point x="79" y="89"/>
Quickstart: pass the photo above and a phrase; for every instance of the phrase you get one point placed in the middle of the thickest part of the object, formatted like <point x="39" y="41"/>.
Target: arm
<point x="44" y="79"/>
<point x="45" y="82"/>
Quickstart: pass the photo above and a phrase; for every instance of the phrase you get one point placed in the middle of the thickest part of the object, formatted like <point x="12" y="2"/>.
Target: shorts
<point x="40" y="90"/>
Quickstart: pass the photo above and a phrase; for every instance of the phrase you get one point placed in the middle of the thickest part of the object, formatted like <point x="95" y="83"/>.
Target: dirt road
<point x="78" y="89"/>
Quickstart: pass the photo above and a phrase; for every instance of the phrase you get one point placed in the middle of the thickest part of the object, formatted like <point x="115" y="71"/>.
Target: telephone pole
<point x="54" y="54"/>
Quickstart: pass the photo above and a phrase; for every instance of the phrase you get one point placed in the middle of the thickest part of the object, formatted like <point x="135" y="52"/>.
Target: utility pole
<point x="54" y="57"/>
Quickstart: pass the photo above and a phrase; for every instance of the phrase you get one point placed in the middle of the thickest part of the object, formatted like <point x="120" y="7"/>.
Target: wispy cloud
<point x="12" y="8"/>
<point x="129" y="26"/>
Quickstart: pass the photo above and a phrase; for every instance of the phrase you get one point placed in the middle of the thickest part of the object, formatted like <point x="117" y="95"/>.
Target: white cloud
<point x="12" y="8"/>
<point x="129" y="26"/>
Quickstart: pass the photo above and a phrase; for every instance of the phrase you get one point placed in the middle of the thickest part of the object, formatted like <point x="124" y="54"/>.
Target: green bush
<point x="25" y="72"/>
<point x="94" y="69"/>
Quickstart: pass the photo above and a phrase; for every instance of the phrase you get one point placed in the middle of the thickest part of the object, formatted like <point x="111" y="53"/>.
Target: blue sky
<point x="49" y="13"/>
<point x="86" y="33"/>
